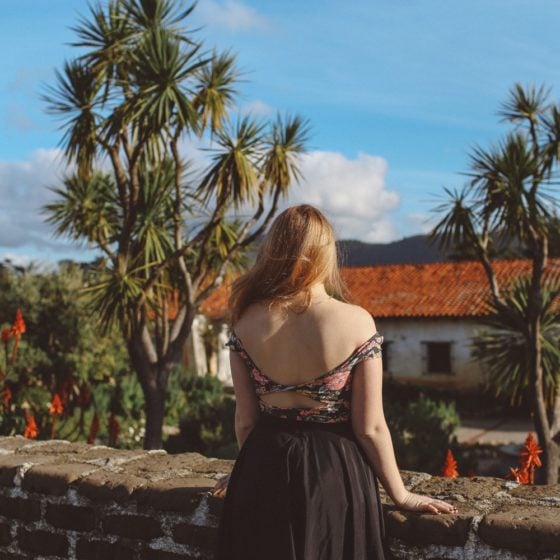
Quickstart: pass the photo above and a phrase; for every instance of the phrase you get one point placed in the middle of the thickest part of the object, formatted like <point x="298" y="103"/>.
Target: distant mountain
<point x="414" y="249"/>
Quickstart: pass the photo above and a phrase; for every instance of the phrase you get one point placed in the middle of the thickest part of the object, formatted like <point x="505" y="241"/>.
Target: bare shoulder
<point x="251" y="318"/>
<point x="358" y="319"/>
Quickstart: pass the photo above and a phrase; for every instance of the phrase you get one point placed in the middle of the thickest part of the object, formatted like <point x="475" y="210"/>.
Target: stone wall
<point x="68" y="500"/>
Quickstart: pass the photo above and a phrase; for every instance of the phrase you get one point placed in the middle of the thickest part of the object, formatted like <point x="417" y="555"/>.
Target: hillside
<point x="415" y="249"/>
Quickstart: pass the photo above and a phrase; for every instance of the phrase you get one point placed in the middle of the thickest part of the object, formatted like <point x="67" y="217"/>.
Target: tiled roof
<point x="446" y="289"/>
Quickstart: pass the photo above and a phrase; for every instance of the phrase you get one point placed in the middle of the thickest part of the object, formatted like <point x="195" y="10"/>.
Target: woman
<point x="307" y="375"/>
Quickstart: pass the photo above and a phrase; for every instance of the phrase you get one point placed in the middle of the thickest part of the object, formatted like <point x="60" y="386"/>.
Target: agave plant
<point x="509" y="202"/>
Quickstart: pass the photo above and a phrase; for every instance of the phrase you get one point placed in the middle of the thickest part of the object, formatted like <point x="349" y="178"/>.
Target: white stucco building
<point x="427" y="313"/>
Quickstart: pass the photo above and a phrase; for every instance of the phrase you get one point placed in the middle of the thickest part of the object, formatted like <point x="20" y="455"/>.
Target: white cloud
<point x="231" y="15"/>
<point x="24" y="189"/>
<point x="351" y="193"/>
<point x="421" y="222"/>
<point x="257" y="108"/>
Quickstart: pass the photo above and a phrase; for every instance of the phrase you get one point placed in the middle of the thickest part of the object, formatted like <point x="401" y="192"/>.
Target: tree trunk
<point x="155" y="412"/>
<point x="551" y="455"/>
<point x="551" y="462"/>
<point x="153" y="373"/>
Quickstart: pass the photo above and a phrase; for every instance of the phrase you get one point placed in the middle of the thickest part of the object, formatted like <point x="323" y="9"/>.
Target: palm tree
<point x="509" y="201"/>
<point x="141" y="89"/>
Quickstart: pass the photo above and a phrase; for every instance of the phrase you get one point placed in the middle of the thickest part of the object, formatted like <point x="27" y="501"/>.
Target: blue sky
<point x="396" y="91"/>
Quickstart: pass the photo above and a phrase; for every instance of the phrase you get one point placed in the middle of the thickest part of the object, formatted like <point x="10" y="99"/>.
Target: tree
<point x="509" y="198"/>
<point x="142" y="93"/>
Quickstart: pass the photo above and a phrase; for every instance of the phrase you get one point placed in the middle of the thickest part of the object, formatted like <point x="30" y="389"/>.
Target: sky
<point x="397" y="94"/>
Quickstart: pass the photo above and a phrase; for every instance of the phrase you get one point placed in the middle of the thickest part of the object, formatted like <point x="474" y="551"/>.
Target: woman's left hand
<point x="220" y="489"/>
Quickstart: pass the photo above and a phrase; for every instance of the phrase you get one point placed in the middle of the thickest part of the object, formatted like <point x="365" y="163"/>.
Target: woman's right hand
<point x="417" y="502"/>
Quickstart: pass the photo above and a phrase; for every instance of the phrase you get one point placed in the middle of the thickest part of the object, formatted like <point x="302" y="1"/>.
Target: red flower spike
<point x="6" y="335"/>
<point x="31" y="430"/>
<point x="530" y="452"/>
<point x="18" y="328"/>
<point x="449" y="468"/>
<point x="519" y="475"/>
<point x="56" y="408"/>
<point x="93" y="429"/>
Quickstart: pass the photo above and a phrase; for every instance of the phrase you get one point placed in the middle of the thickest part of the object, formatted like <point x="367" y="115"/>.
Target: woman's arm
<point x="246" y="410"/>
<point x="246" y="404"/>
<point x="372" y="433"/>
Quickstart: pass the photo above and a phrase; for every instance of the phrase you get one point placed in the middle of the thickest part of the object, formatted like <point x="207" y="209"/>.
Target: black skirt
<point x="301" y="490"/>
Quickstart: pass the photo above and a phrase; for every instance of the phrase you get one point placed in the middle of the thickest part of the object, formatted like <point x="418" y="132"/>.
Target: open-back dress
<point x="302" y="487"/>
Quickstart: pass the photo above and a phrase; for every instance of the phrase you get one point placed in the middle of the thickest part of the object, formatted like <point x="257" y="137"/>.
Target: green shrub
<point x="422" y="431"/>
<point x="206" y="414"/>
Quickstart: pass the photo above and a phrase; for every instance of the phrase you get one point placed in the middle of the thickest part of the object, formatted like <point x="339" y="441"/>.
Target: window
<point x="438" y="357"/>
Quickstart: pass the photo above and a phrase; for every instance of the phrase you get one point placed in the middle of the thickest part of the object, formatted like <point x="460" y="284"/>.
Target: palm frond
<point x="525" y="103"/>
<point x="284" y="147"/>
<point x="214" y="93"/>
<point x="234" y="175"/>
<point x="75" y="100"/>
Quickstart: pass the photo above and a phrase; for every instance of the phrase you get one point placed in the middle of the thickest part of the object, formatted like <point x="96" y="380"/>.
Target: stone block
<point x="53" y="479"/>
<point x="477" y="488"/>
<point x="65" y="516"/>
<point x="159" y="466"/>
<point x="4" y="555"/>
<point x="530" y="528"/>
<point x="26" y="509"/>
<point x="176" y="494"/>
<point x="9" y="465"/>
<point x="534" y="492"/>
<point x="197" y="535"/>
<point x="48" y="447"/>
<point x="43" y="543"/>
<point x="154" y="554"/>
<point x="426" y="528"/>
<point x="10" y="444"/>
<point x="88" y="549"/>
<point x="104" y="486"/>
<point x="5" y="534"/>
<point x="132" y="526"/>
<point x="224" y="466"/>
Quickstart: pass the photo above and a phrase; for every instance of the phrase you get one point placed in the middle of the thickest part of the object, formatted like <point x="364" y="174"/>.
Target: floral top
<point x="333" y="387"/>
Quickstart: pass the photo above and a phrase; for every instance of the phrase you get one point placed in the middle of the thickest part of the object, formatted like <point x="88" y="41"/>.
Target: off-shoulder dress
<point x="302" y="487"/>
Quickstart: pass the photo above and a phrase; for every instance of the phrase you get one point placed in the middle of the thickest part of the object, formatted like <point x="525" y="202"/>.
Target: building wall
<point x="407" y="360"/>
<point x="407" y="351"/>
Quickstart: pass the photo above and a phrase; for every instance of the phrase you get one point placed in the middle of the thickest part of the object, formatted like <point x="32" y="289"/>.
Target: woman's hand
<point x="417" y="502"/>
<point x="220" y="489"/>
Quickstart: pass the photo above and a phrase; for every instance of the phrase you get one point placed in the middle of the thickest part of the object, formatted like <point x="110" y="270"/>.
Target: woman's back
<point x="292" y="347"/>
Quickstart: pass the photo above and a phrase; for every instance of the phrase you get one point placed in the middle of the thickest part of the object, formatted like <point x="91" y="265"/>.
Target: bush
<point x="206" y="413"/>
<point x="422" y="431"/>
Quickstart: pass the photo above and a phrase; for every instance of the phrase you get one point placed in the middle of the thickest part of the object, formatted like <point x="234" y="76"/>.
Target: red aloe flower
<point x="6" y="335"/>
<point x="530" y="452"/>
<point x="31" y="430"/>
<point x="529" y="460"/>
<point x="18" y="328"/>
<point x="56" y="407"/>
<point x="93" y="429"/>
<point x="449" y="468"/>
<point x="520" y="475"/>
<point x="114" y="429"/>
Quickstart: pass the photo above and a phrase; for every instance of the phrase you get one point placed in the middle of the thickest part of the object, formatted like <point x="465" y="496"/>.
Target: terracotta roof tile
<point x="448" y="289"/>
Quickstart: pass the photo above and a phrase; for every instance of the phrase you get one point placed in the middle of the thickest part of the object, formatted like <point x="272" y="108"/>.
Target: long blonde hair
<point x="298" y="251"/>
